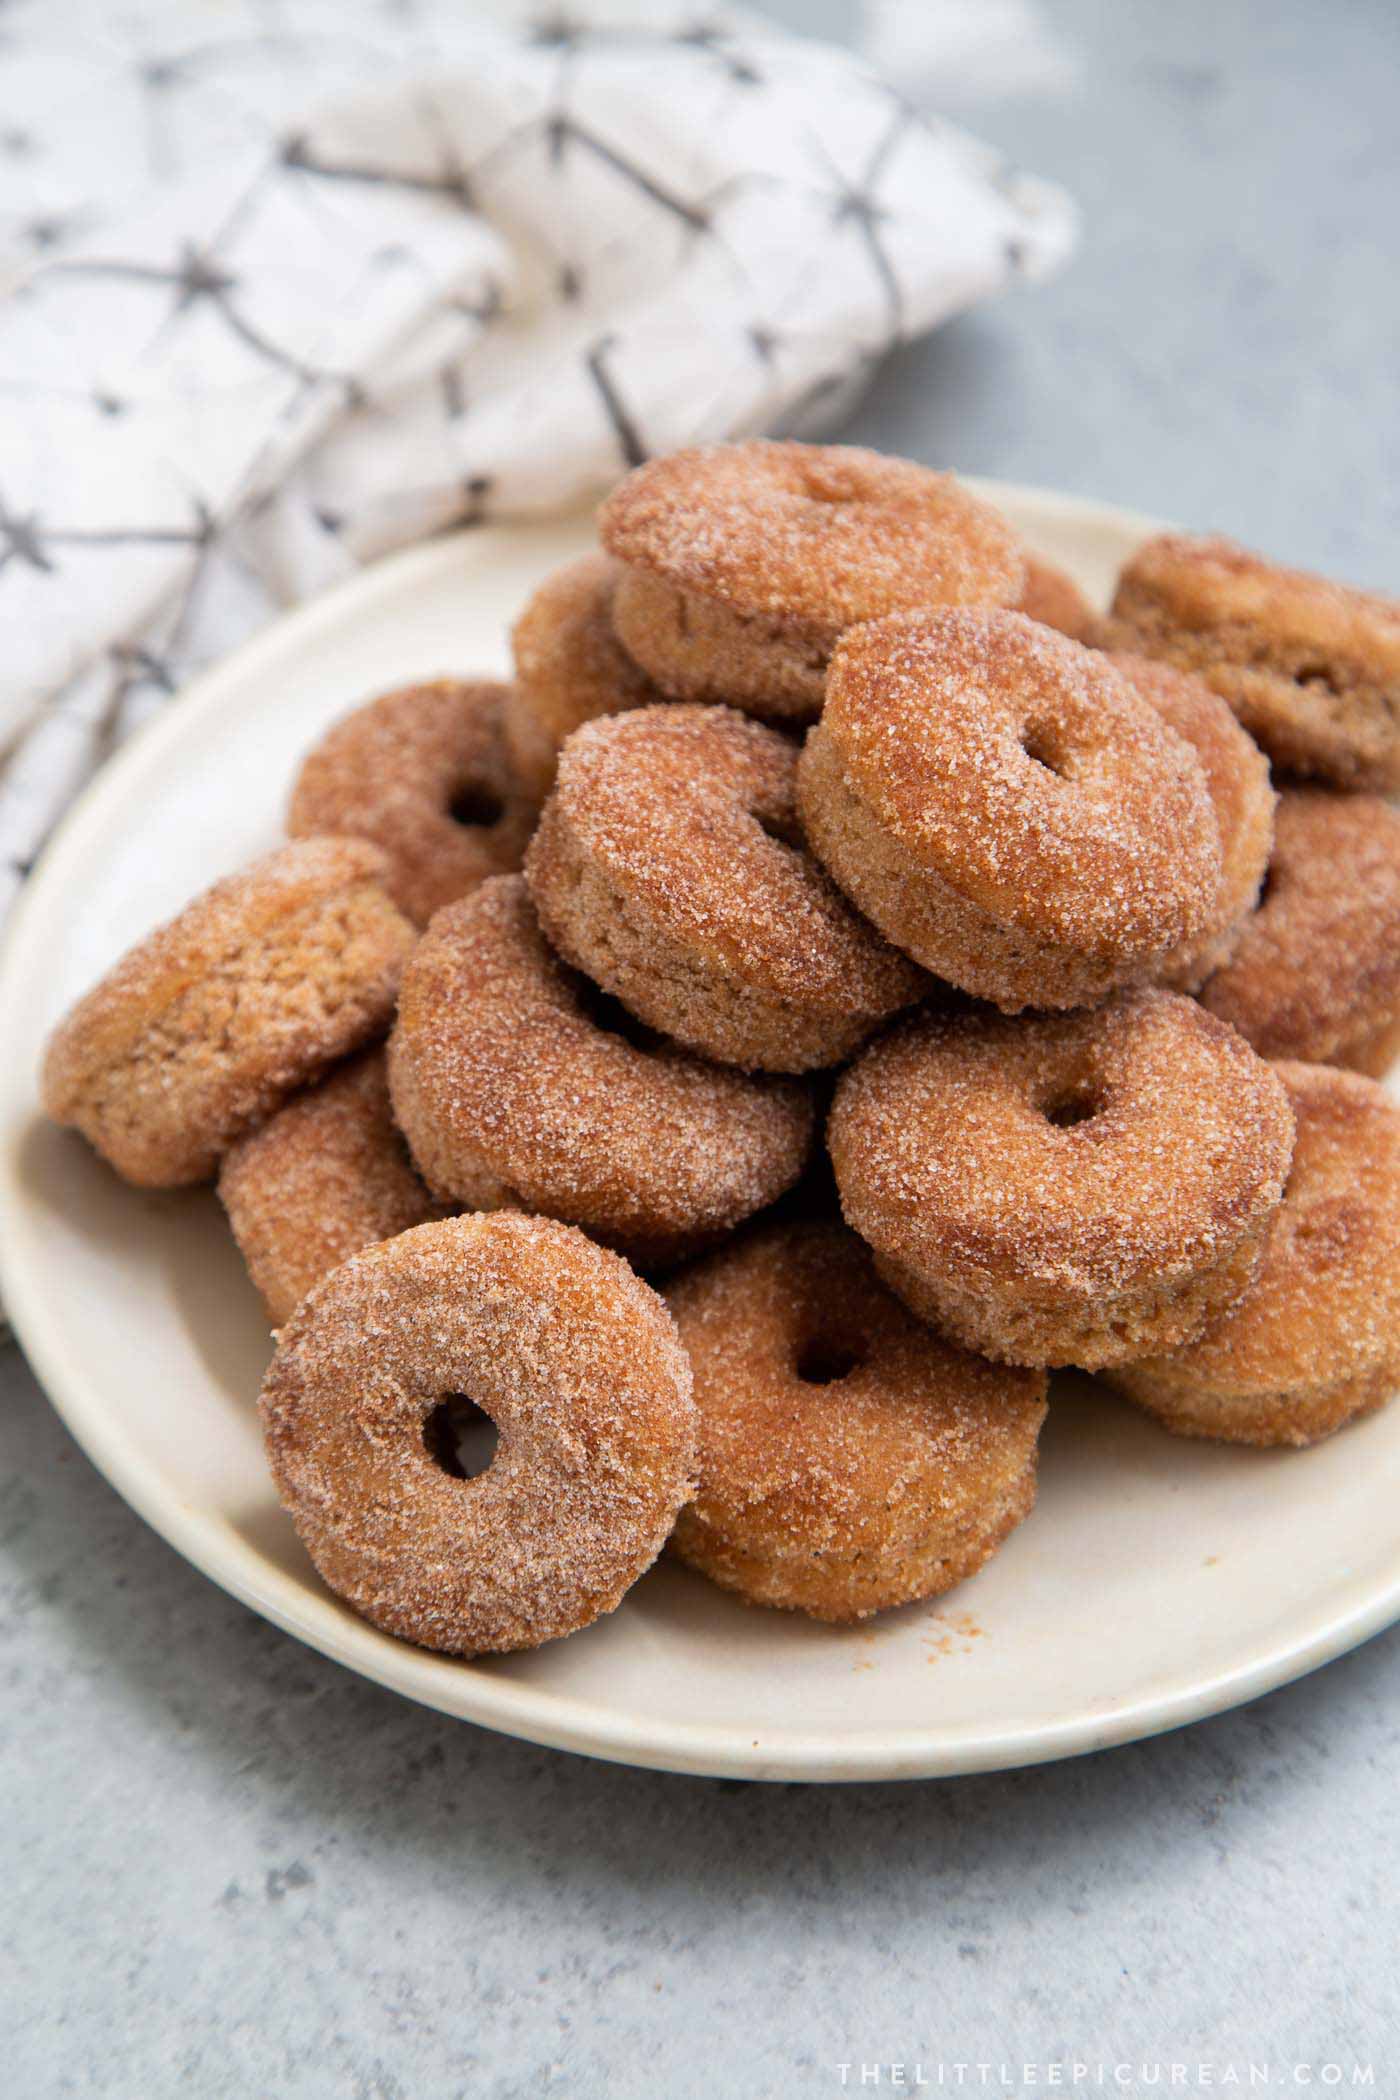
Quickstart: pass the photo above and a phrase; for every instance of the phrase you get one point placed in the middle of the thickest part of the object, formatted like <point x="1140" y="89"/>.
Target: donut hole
<point x="602" y="1011"/>
<point x="1071" y="1105"/>
<point x="459" y="1438"/>
<point x="782" y="830"/>
<point x="1320" y="676"/>
<point x="1045" y="747"/>
<point x="475" y="806"/>
<point x="825" y="1359"/>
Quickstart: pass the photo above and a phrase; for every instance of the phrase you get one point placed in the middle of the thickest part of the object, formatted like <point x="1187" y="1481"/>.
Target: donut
<point x="424" y="774"/>
<point x="1311" y="668"/>
<point x="669" y="867"/>
<point x="575" y="1360"/>
<point x="516" y="1085"/>
<point x="1007" y="809"/>
<point x="743" y="563"/>
<point x="569" y="668"/>
<point x="1316" y="974"/>
<point x="1237" y="780"/>
<point x="323" y="1177"/>
<point x="1055" y="599"/>
<point x="209" y="1023"/>
<point x="1315" y="1340"/>
<point x="849" y="1458"/>
<point x="1081" y="1188"/>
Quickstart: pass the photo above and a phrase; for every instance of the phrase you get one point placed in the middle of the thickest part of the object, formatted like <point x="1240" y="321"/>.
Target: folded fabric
<point x="281" y="291"/>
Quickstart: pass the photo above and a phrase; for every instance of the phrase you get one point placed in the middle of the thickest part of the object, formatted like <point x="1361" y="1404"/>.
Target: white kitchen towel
<point x="283" y="287"/>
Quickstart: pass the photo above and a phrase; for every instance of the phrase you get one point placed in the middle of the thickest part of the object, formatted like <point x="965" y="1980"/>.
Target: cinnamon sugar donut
<point x="1317" y="972"/>
<point x="576" y="1361"/>
<point x="323" y="1177"/>
<point x="1082" y="1188"/>
<point x="669" y="866"/>
<point x="1311" y="668"/>
<point x="1007" y="809"/>
<point x="745" y="562"/>
<point x="210" y="1022"/>
<point x="849" y="1459"/>
<point x="569" y="668"/>
<point x="424" y="774"/>
<point x="1315" y="1340"/>
<point x="1237" y="780"/>
<point x="1055" y="599"/>
<point x="512" y="1091"/>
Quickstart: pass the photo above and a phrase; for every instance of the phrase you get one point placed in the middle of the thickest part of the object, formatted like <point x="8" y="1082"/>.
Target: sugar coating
<point x="511" y="1093"/>
<point x="695" y="648"/>
<point x="1316" y="973"/>
<point x="1064" y="1188"/>
<point x="827" y="534"/>
<point x="326" y="1175"/>
<point x="745" y="562"/>
<point x="393" y="772"/>
<point x="569" y="667"/>
<point x="841" y="1495"/>
<point x="1237" y="781"/>
<point x="1315" y="1340"/>
<point x="1007" y="809"/>
<point x="1311" y="667"/>
<point x="669" y="865"/>
<point x="210" y="1022"/>
<point x="577" y="1362"/>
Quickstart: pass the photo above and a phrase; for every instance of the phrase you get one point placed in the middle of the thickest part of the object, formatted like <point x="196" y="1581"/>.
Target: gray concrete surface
<point x="229" y="1868"/>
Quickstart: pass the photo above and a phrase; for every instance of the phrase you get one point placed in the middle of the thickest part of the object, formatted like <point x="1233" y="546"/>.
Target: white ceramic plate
<point x="1157" y="1581"/>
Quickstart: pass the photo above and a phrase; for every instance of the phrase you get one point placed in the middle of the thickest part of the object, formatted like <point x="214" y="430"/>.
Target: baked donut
<point x="575" y="1360"/>
<point x="1315" y="1340"/>
<point x="323" y="1177"/>
<point x="1055" y="599"/>
<point x="1007" y="809"/>
<point x="205" y="1026"/>
<point x="1237" y="779"/>
<point x="424" y="774"/>
<point x="569" y="668"/>
<point x="1316" y="974"/>
<point x="849" y="1458"/>
<point x="669" y="866"/>
<point x="1083" y="1188"/>
<point x="745" y="562"/>
<point x="514" y="1086"/>
<point x="1311" y="668"/>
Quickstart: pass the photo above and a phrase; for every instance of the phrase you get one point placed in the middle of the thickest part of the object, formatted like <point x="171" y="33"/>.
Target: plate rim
<point x="470" y="1690"/>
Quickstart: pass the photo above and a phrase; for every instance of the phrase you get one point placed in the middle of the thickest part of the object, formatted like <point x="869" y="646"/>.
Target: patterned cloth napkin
<point x="284" y="287"/>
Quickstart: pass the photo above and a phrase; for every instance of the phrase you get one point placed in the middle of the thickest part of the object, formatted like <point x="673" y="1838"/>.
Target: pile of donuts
<point x="815" y="808"/>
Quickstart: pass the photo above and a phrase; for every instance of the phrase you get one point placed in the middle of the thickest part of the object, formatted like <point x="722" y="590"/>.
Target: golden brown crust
<point x="574" y="1359"/>
<point x="1066" y="1187"/>
<point x="1237" y="780"/>
<point x="849" y="1459"/>
<point x="1316" y="974"/>
<point x="424" y="774"/>
<point x="205" y="1026"/>
<point x="1007" y="809"/>
<point x="323" y="1177"/>
<point x="669" y="866"/>
<point x="1053" y="597"/>
<point x="1315" y="1340"/>
<point x="511" y="1093"/>
<point x="745" y="562"/>
<point x="695" y="648"/>
<point x="569" y="668"/>
<point x="1312" y="668"/>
